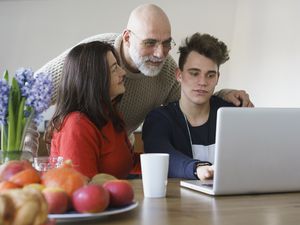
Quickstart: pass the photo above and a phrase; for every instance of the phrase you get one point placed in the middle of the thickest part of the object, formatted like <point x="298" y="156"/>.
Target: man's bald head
<point x="149" y="18"/>
<point x="146" y="40"/>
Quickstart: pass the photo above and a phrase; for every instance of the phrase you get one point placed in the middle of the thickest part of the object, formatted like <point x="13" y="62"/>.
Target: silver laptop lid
<point x="257" y="150"/>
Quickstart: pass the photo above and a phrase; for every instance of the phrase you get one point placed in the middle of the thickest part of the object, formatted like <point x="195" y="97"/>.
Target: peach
<point x="92" y="198"/>
<point x="26" y="176"/>
<point x="64" y="177"/>
<point x="101" y="178"/>
<point x="57" y="200"/>
<point x="120" y="192"/>
<point x="13" y="167"/>
<point x="5" y="185"/>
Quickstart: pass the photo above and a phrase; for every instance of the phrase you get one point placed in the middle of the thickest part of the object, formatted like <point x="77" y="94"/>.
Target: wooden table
<point x="184" y="206"/>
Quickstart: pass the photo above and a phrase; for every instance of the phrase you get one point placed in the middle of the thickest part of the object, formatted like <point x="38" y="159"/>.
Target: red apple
<point x="92" y="198"/>
<point x="11" y="168"/>
<point x="120" y="191"/>
<point x="57" y="200"/>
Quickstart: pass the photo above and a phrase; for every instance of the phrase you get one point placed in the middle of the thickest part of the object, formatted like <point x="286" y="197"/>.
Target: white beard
<point x="141" y="63"/>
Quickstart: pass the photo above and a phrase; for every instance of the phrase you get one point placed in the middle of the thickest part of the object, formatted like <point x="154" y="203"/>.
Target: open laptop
<point x="257" y="151"/>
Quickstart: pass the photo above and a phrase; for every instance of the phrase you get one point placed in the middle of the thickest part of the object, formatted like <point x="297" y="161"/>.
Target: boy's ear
<point x="218" y="78"/>
<point x="178" y="75"/>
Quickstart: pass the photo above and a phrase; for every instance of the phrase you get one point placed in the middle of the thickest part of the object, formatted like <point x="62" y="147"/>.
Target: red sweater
<point x="81" y="141"/>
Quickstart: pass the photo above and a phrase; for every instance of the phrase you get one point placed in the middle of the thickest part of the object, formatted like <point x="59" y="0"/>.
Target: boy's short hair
<point x="206" y="45"/>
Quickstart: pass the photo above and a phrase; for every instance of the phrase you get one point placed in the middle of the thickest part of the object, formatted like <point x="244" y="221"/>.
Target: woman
<point x="86" y="127"/>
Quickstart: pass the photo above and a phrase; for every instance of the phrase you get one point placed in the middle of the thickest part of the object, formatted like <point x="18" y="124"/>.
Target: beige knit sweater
<point x="142" y="93"/>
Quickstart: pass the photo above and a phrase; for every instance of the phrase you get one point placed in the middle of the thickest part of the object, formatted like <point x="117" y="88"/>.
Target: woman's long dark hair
<point x="84" y="87"/>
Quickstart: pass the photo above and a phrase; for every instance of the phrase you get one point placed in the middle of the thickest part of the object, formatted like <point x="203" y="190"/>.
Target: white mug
<point x="155" y="168"/>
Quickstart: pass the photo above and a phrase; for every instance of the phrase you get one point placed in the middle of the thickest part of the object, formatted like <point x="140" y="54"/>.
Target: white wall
<point x="33" y="32"/>
<point x="265" y="55"/>
<point x="263" y="36"/>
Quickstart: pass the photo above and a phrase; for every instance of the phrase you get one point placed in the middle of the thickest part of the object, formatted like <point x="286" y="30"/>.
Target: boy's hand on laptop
<point x="205" y="172"/>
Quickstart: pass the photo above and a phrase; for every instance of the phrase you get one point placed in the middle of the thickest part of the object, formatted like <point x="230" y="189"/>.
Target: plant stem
<point x="3" y="137"/>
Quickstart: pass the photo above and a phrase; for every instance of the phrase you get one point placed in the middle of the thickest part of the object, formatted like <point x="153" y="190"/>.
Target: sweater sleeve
<point x="80" y="143"/>
<point x="157" y="137"/>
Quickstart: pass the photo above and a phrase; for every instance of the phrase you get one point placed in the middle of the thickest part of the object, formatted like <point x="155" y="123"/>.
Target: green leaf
<point x="6" y="76"/>
<point x="13" y="109"/>
<point x="19" y="125"/>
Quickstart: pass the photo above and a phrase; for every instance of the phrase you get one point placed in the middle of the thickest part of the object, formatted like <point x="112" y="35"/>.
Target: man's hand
<point x="237" y="97"/>
<point x="205" y="172"/>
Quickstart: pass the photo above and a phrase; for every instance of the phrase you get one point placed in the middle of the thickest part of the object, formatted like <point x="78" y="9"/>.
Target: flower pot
<point x="6" y="156"/>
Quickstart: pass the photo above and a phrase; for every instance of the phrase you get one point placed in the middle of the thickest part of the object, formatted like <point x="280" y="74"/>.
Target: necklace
<point x="187" y="126"/>
<point x="189" y="132"/>
<point x="201" y="133"/>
